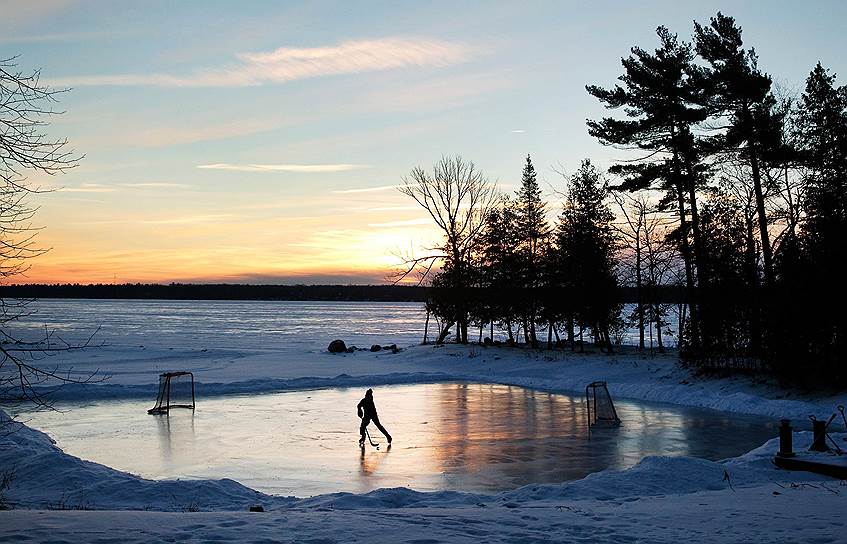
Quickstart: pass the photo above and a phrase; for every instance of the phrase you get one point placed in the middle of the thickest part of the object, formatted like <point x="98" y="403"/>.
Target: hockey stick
<point x="368" y="434"/>
<point x="374" y="444"/>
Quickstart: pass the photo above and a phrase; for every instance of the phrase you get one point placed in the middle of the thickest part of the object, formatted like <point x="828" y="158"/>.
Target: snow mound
<point x="47" y="477"/>
<point x="396" y="497"/>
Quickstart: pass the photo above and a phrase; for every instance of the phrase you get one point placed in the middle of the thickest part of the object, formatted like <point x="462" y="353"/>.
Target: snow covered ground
<point x="662" y="499"/>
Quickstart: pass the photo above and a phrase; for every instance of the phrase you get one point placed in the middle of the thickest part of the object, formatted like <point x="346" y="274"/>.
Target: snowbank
<point x="133" y="372"/>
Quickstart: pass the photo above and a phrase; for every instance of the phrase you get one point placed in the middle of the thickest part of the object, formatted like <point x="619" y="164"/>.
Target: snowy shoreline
<point x="630" y="375"/>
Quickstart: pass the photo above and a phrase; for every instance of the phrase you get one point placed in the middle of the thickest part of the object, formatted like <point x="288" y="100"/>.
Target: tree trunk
<point x="659" y="329"/>
<point x="464" y="328"/>
<point x="532" y="336"/>
<point x="767" y="252"/>
<point x="753" y="278"/>
<point x="608" y="340"/>
<point x="550" y="335"/>
<point x="444" y="332"/>
<point x="686" y="250"/>
<point x="638" y="294"/>
<point x="426" y="326"/>
<point x="571" y="339"/>
<point x="700" y="323"/>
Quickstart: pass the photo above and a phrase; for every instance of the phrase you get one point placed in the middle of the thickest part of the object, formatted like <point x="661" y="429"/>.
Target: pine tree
<point x="499" y="264"/>
<point x="584" y="253"/>
<point x="532" y="232"/>
<point x="736" y="90"/>
<point x="823" y="133"/>
<point x="661" y="101"/>
<point x="808" y="334"/>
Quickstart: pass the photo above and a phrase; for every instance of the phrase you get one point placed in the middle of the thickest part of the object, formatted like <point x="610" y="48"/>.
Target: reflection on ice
<point x="446" y="436"/>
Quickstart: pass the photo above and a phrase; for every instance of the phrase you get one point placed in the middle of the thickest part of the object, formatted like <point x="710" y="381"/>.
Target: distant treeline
<point x="224" y="291"/>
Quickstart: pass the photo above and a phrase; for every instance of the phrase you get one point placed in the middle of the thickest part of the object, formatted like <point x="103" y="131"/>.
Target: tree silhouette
<point x="458" y="198"/>
<point x="532" y="232"/>
<point x="662" y="104"/>
<point x="584" y="253"/>
<point x="735" y="89"/>
<point x="25" y="109"/>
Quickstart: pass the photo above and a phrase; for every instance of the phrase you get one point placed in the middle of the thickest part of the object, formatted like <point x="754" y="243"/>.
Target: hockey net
<point x="601" y="409"/>
<point x="176" y="390"/>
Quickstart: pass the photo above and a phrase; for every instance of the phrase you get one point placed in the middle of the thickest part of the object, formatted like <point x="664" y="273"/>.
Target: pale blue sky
<point x="370" y="90"/>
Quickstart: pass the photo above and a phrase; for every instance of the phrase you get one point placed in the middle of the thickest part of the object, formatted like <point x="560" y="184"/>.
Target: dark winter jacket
<point x="366" y="405"/>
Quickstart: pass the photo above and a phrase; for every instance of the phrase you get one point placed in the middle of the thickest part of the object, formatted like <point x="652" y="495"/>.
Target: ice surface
<point x="469" y="437"/>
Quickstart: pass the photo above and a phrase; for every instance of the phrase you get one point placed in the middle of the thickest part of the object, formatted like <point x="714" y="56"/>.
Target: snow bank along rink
<point x="132" y="372"/>
<point x="662" y="499"/>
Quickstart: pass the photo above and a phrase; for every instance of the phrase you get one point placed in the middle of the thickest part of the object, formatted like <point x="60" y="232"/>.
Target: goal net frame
<point x="163" y="399"/>
<point x="606" y="415"/>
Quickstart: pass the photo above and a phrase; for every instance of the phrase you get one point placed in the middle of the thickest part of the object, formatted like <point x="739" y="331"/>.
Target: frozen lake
<point x="289" y="325"/>
<point x="453" y="436"/>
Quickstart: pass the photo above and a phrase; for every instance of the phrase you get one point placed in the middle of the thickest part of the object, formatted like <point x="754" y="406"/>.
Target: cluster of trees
<point x="731" y="187"/>
<point x="755" y="179"/>
<point x="502" y="264"/>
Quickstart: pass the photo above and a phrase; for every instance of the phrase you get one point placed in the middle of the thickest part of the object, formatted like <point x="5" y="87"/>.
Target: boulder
<point x="376" y="347"/>
<point x="337" y="346"/>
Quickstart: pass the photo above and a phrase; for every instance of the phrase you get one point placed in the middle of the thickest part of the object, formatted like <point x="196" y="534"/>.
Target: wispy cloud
<point x="299" y="168"/>
<point x="178" y="220"/>
<point x="87" y="188"/>
<point x="518" y="131"/>
<point x="392" y="208"/>
<point x="157" y="184"/>
<point x="110" y="188"/>
<point x="365" y="189"/>
<point x="172" y="134"/>
<point x="190" y="219"/>
<point x="24" y="13"/>
<point x="404" y="223"/>
<point x="291" y="64"/>
<point x="55" y="37"/>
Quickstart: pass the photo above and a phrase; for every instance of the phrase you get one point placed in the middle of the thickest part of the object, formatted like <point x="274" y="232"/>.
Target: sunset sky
<point x="262" y="141"/>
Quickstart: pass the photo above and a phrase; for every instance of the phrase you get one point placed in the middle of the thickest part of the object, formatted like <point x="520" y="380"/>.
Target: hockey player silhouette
<point x="367" y="411"/>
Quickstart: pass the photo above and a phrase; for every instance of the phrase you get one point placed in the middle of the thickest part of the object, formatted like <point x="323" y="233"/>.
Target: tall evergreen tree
<point x="823" y="133"/>
<point x="500" y="264"/>
<point x="807" y="345"/>
<point x="532" y="232"/>
<point x="661" y="103"/>
<point x="736" y="90"/>
<point x="584" y="254"/>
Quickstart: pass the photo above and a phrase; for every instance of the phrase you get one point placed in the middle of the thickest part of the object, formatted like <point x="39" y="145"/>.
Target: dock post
<point x="786" y="448"/>
<point x="819" y="440"/>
